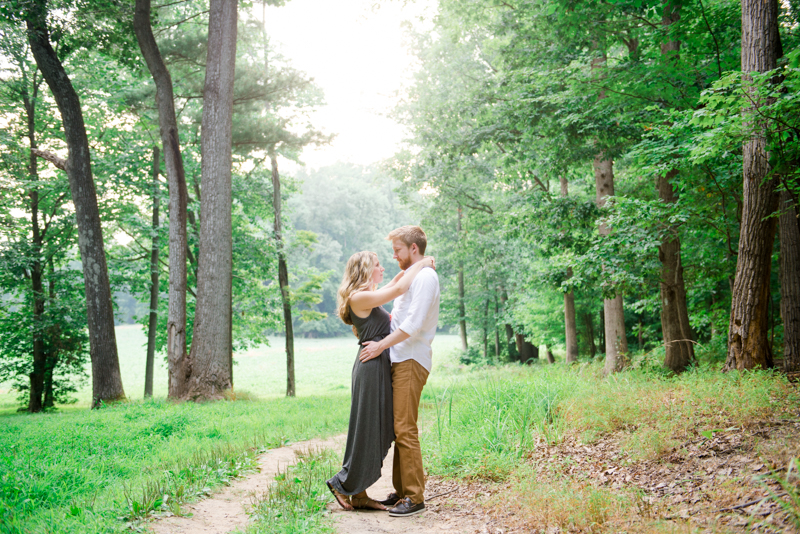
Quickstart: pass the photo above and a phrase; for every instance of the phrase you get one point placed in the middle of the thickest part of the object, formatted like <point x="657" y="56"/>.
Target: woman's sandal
<point x="365" y="503"/>
<point x="343" y="500"/>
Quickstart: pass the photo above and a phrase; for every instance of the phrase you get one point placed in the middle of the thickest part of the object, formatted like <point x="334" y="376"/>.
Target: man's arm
<point x="417" y="311"/>
<point x="373" y="349"/>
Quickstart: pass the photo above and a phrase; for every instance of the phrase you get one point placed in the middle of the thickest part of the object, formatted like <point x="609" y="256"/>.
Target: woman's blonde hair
<point x="357" y="277"/>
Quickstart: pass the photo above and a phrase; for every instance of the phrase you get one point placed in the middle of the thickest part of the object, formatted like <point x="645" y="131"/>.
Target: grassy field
<point x="97" y="471"/>
<point x="322" y="367"/>
<point x="92" y="471"/>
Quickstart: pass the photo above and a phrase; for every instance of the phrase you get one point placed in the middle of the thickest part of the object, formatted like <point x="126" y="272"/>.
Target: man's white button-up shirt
<point x="417" y="314"/>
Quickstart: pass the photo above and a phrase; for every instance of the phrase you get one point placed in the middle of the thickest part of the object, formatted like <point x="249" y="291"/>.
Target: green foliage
<point x="510" y="99"/>
<point x="40" y="267"/>
<point x="62" y="328"/>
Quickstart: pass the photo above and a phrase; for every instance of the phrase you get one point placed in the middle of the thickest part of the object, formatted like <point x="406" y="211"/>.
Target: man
<point x="414" y="319"/>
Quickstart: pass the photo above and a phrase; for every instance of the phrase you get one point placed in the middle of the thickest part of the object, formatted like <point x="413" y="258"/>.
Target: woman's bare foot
<point x="365" y="503"/>
<point x="343" y="500"/>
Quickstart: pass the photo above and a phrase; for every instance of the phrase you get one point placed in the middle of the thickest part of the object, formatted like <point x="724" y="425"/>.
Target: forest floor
<point x="735" y="481"/>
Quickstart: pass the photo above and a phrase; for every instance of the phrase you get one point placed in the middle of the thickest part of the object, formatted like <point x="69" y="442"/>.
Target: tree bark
<point x="748" y="342"/>
<point x="570" y="321"/>
<point x="678" y="339"/>
<point x="496" y="329"/>
<point x="550" y="357"/>
<point x="37" y="377"/>
<point x="570" y="325"/>
<point x="486" y="329"/>
<point x="674" y="312"/>
<point x="616" y="344"/>
<point x="519" y="339"/>
<point x="602" y="331"/>
<point x="527" y="350"/>
<point x="513" y="353"/>
<point x="587" y="320"/>
<point x="462" y="313"/>
<point x="614" y="314"/>
<point x="283" y="279"/>
<point x="179" y="365"/>
<point x="790" y="282"/>
<point x="106" y="378"/>
<point x="210" y="355"/>
<point x="154" y="270"/>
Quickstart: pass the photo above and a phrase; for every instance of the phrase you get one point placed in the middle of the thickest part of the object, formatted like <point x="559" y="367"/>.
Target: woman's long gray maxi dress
<point x="371" y="429"/>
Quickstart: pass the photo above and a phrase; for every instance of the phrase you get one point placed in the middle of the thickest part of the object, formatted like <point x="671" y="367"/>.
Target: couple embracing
<point x="392" y="366"/>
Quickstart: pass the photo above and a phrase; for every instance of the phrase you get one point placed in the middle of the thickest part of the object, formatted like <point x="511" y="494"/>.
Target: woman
<point x="371" y="429"/>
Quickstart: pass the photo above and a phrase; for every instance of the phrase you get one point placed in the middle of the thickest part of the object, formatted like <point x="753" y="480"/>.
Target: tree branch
<point x="60" y="163"/>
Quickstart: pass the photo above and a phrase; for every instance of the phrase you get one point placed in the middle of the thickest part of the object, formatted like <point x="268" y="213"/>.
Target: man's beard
<point x="404" y="264"/>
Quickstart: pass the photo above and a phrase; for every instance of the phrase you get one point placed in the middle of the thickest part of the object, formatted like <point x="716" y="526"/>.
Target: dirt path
<point x="225" y="512"/>
<point x="437" y="518"/>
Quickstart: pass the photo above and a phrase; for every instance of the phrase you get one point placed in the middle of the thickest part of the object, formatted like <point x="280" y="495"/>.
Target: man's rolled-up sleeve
<point x="424" y="293"/>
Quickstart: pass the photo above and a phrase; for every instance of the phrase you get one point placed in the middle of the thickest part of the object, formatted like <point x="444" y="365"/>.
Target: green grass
<point x="482" y="423"/>
<point x="79" y="470"/>
<point x="83" y="471"/>
<point x="295" y="503"/>
<point x="96" y="471"/>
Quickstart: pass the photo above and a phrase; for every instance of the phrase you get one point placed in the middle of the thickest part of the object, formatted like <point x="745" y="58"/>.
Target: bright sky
<point x="355" y="53"/>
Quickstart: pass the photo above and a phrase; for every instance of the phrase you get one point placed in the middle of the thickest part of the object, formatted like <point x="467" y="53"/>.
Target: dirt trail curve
<point x="225" y="512"/>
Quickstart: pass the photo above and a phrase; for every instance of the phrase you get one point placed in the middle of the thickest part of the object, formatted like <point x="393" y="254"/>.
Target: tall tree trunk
<point x="602" y="331"/>
<point x="283" y="279"/>
<point x="587" y="320"/>
<point x="486" y="329"/>
<point x="678" y="339"/>
<point x="570" y="324"/>
<point x="462" y="313"/>
<point x="519" y="339"/>
<point x="748" y="343"/>
<point x="512" y="348"/>
<point x="37" y="376"/>
<point x="570" y="321"/>
<point x="550" y="357"/>
<point x="179" y="366"/>
<point x="513" y="353"/>
<point x="106" y="378"/>
<point x="674" y="312"/>
<point x="210" y="355"/>
<point x="790" y="282"/>
<point x="496" y="329"/>
<point x="154" y="270"/>
<point x="614" y="313"/>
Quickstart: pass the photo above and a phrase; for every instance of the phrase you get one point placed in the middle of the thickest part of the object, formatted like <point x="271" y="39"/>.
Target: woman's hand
<point x="429" y="261"/>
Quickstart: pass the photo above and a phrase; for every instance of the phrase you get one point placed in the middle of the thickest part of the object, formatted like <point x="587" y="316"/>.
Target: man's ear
<point x="414" y="248"/>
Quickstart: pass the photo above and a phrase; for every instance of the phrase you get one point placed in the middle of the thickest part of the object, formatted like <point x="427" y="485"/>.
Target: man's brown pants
<point x="408" y="477"/>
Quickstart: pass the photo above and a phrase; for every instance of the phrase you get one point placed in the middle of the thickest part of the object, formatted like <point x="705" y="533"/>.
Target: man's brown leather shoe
<point x="391" y="499"/>
<point x="405" y="508"/>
